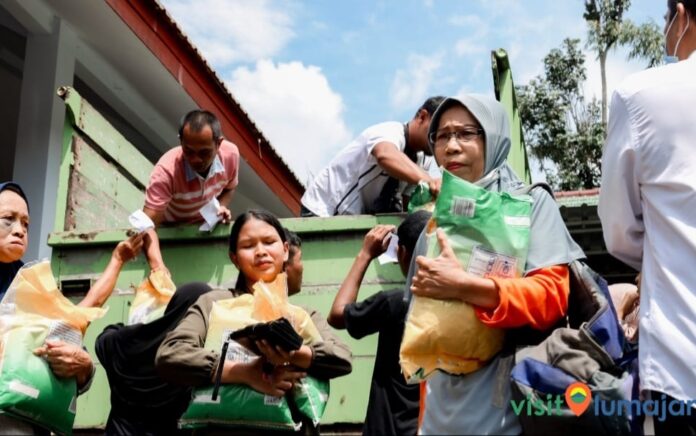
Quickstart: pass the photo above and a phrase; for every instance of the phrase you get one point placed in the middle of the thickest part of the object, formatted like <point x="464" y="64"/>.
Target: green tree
<point x="563" y="131"/>
<point x="607" y="29"/>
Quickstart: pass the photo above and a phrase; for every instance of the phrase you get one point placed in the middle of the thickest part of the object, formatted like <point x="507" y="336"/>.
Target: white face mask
<point x="673" y="59"/>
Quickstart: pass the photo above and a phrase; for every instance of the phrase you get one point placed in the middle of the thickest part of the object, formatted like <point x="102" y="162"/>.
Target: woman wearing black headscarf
<point x="14" y="224"/>
<point x="141" y="402"/>
<point x="14" y="234"/>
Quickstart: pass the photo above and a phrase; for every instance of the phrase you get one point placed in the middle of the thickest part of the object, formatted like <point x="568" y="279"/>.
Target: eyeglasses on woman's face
<point x="462" y="135"/>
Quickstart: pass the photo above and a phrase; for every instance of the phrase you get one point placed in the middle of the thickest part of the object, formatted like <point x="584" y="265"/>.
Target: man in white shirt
<point x="371" y="173"/>
<point x="648" y="210"/>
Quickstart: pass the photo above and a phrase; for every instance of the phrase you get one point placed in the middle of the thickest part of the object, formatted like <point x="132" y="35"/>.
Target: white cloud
<point x="469" y="46"/>
<point x="477" y="32"/>
<point x="234" y="31"/>
<point x="350" y="36"/>
<point x="507" y="9"/>
<point x="473" y="22"/>
<point x="411" y="85"/>
<point x="295" y="107"/>
<point x="463" y="91"/>
<point x="528" y="36"/>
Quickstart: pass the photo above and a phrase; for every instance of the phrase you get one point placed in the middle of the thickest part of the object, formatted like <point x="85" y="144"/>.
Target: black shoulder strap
<point x="525" y="190"/>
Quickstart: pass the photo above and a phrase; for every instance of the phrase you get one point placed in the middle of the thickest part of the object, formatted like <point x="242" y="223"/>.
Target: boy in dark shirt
<point x="393" y="404"/>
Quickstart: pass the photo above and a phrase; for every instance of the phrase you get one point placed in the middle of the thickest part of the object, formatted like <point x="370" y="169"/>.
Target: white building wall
<point x="49" y="63"/>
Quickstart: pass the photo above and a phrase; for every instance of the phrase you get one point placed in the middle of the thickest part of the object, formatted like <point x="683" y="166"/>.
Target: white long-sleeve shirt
<point x="647" y="205"/>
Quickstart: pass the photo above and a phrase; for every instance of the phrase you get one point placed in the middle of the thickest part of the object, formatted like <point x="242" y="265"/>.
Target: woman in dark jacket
<point x="141" y="402"/>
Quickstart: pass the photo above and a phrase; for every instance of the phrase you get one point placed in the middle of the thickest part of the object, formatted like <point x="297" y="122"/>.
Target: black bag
<point x="278" y="332"/>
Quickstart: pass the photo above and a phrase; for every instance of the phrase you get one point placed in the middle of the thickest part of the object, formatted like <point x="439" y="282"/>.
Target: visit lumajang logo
<point x="578" y="397"/>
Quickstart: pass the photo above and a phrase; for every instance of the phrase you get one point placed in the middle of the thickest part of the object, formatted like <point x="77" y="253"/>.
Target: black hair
<point x="689" y="5"/>
<point x="410" y="229"/>
<point x="294" y="241"/>
<point x="197" y="119"/>
<point x="12" y="186"/>
<point x="430" y="105"/>
<point x="239" y="222"/>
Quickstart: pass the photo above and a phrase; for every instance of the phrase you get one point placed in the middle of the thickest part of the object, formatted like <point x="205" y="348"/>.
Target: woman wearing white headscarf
<point x="470" y="137"/>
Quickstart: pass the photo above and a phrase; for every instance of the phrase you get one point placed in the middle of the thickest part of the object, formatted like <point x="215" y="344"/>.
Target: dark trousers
<point x="674" y="425"/>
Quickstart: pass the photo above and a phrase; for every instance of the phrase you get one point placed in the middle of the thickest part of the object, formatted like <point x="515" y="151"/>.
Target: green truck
<point x="102" y="180"/>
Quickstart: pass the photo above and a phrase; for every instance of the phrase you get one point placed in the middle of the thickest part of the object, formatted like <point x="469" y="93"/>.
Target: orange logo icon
<point x="578" y="397"/>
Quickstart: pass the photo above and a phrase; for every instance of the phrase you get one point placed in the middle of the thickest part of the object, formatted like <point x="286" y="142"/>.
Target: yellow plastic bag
<point x="32" y="311"/>
<point x="271" y="302"/>
<point x="151" y="298"/>
<point x="446" y="335"/>
<point x="268" y="302"/>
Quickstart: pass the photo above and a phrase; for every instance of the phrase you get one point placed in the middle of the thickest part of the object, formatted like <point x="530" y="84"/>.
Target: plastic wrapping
<point x="32" y="311"/>
<point x="489" y="233"/>
<point x="151" y="298"/>
<point x="240" y="405"/>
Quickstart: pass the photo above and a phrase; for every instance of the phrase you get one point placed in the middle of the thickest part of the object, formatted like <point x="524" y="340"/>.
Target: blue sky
<point x="313" y="74"/>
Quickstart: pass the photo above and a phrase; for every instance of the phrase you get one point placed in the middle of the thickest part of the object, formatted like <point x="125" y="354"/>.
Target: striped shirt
<point x="180" y="192"/>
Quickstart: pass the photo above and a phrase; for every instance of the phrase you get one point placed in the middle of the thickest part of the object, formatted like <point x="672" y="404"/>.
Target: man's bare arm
<point x="151" y="242"/>
<point x="395" y="163"/>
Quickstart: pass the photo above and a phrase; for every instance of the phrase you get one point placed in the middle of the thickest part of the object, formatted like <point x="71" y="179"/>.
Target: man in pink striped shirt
<point x="187" y="177"/>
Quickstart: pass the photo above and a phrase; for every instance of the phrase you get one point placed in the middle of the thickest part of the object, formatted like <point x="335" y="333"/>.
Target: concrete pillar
<point x="49" y="63"/>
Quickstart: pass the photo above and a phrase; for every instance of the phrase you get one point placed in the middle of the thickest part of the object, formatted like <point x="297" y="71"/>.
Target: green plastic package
<point x="33" y="310"/>
<point x="421" y="199"/>
<point x="489" y="231"/>
<point x="28" y="388"/>
<point x="489" y="234"/>
<point x="310" y="397"/>
<point x="239" y="405"/>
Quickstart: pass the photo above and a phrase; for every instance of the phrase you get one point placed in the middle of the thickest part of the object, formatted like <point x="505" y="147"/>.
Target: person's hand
<point x="127" y="250"/>
<point x="66" y="360"/>
<point x="377" y="240"/>
<point x="224" y="214"/>
<point x="628" y="304"/>
<point x="439" y="278"/>
<point x="276" y="356"/>
<point x="282" y="379"/>
<point x="434" y="186"/>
